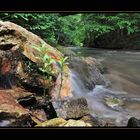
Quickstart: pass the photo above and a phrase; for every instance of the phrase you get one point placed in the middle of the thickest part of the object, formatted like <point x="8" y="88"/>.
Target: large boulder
<point x="21" y="81"/>
<point x="88" y="70"/>
<point x="13" y="37"/>
<point x="19" y="61"/>
<point x="92" y="61"/>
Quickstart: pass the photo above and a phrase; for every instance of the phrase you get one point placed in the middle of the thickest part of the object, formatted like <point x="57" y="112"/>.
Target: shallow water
<point x="123" y="73"/>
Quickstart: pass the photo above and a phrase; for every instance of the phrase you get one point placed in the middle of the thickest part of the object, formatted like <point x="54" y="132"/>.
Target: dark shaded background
<point x="69" y="5"/>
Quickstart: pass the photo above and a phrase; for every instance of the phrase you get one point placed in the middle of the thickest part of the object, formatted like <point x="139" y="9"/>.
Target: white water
<point x="125" y="79"/>
<point x="78" y="87"/>
<point x="96" y="102"/>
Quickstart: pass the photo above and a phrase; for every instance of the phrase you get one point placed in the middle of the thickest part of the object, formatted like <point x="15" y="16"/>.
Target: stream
<point x="121" y="100"/>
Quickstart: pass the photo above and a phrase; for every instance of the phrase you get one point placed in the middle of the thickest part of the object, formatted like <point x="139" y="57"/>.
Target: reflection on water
<point x="123" y="72"/>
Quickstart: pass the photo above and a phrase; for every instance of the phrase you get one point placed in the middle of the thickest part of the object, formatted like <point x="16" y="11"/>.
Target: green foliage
<point x="62" y="62"/>
<point x="69" y="30"/>
<point x="77" y="30"/>
<point x="82" y="29"/>
<point x="45" y="64"/>
<point x="97" y="24"/>
<point x="43" y="24"/>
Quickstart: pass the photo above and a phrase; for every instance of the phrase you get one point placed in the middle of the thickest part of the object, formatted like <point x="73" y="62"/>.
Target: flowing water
<point x="121" y="100"/>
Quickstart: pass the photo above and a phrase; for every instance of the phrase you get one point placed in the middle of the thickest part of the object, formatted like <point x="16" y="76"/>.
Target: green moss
<point x="113" y="101"/>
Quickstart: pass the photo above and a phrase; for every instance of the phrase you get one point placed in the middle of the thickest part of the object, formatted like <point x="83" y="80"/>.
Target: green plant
<point x="62" y="62"/>
<point x="45" y="64"/>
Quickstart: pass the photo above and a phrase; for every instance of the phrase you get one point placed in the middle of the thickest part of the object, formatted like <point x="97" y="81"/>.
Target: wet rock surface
<point x="25" y="121"/>
<point x="133" y="122"/>
<point x="114" y="103"/>
<point x="92" y="61"/>
<point x="65" y="91"/>
<point x="90" y="75"/>
<point x="71" y="108"/>
<point x="27" y="101"/>
<point x="88" y="68"/>
<point x="18" y="92"/>
<point x="91" y="120"/>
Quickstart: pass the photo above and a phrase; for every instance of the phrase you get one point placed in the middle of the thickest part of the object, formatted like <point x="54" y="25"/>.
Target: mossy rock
<point x="60" y="122"/>
<point x="113" y="101"/>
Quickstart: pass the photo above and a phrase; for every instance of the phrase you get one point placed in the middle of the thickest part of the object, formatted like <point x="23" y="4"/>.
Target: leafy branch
<point x="45" y="64"/>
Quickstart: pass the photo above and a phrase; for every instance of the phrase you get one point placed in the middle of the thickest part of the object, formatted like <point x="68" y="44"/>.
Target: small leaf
<point x="50" y="78"/>
<point x="44" y="45"/>
<point x="45" y="64"/>
<point x="46" y="56"/>
<point x="43" y="70"/>
<point x="65" y="59"/>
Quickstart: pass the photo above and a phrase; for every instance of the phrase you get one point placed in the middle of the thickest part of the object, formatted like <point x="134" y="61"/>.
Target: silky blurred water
<point x="123" y="72"/>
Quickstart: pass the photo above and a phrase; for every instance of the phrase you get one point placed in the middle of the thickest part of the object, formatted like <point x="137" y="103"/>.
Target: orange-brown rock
<point x="19" y="61"/>
<point x="65" y="90"/>
<point x="16" y="49"/>
<point x="21" y="79"/>
<point x="6" y="66"/>
<point x="9" y="107"/>
<point x="17" y="92"/>
<point x="19" y="38"/>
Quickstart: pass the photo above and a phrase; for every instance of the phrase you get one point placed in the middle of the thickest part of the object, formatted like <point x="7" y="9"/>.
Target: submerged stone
<point x="113" y="101"/>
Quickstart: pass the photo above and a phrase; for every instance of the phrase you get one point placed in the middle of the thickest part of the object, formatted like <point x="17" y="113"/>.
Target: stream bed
<point x="121" y="100"/>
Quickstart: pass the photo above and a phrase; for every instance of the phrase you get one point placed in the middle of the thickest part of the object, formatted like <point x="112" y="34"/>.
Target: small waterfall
<point x="78" y="86"/>
<point x="123" y="74"/>
<point x="96" y="101"/>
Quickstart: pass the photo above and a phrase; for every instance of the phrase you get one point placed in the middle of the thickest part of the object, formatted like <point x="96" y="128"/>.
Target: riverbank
<point x="37" y="86"/>
<point x="93" y="88"/>
<point x="122" y="70"/>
